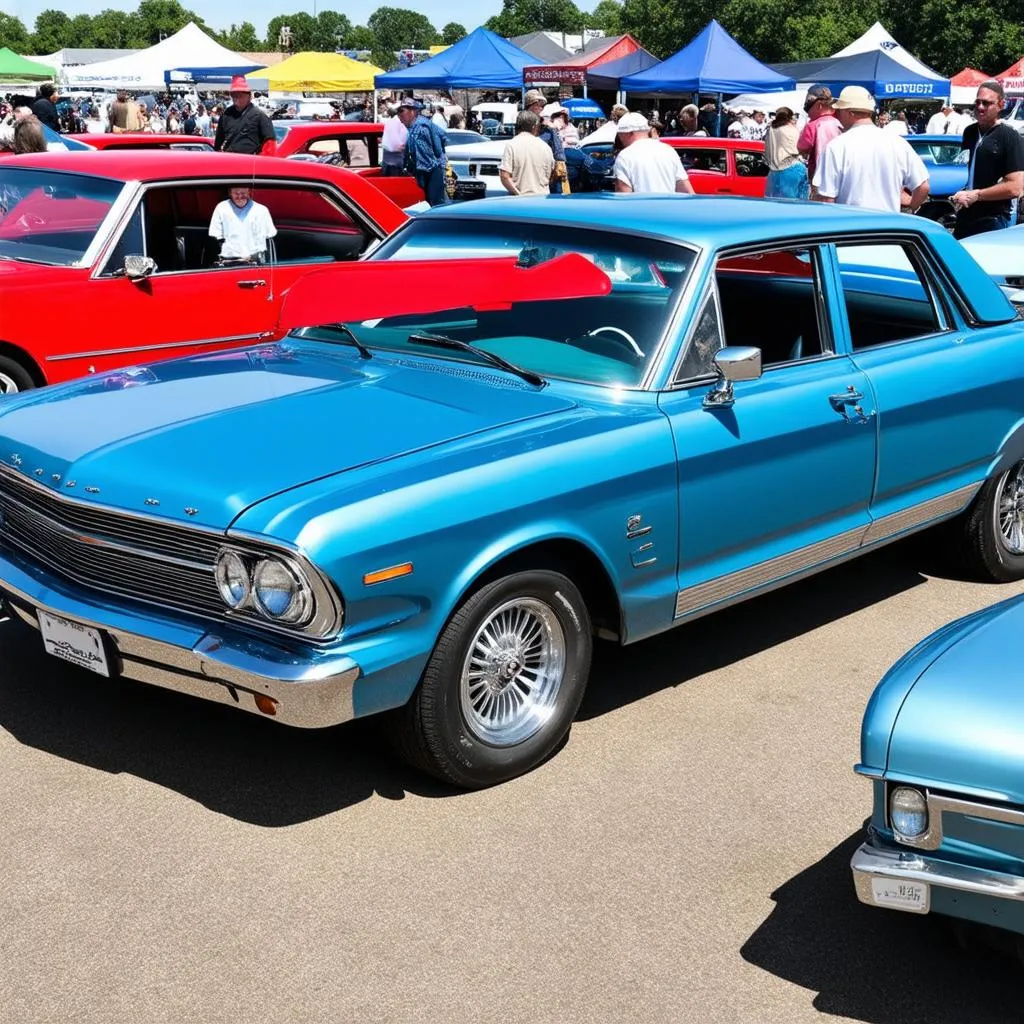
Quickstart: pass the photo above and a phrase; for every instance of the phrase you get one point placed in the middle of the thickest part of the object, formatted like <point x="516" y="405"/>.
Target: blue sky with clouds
<point x="219" y="14"/>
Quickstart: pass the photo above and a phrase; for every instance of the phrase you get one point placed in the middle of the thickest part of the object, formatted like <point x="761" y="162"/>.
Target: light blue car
<point x="567" y="419"/>
<point x="942" y="743"/>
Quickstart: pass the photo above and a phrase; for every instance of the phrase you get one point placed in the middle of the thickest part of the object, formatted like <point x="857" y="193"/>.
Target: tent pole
<point x="376" y="116"/>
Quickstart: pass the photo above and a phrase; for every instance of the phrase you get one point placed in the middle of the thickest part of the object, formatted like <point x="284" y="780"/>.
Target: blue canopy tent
<point x="481" y="60"/>
<point x="712" y="63"/>
<point x="211" y="76"/>
<point x="581" y="108"/>
<point x="875" y="70"/>
<point x="607" y="76"/>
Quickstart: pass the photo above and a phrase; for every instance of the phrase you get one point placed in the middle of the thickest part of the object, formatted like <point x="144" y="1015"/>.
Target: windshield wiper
<point x="364" y="352"/>
<point x="443" y="341"/>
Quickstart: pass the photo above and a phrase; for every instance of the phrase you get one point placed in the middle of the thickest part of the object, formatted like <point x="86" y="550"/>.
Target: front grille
<point x="134" y="557"/>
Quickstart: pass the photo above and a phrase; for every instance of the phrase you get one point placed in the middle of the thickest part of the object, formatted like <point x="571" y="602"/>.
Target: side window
<point x="311" y="228"/>
<point x="700" y="159"/>
<point x="704" y="343"/>
<point x="352" y="151"/>
<point x="131" y="243"/>
<point x="886" y="294"/>
<point x="751" y="164"/>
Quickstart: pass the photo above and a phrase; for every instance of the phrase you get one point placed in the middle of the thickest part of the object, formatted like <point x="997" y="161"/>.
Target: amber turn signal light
<point x="382" y="575"/>
<point x="266" y="704"/>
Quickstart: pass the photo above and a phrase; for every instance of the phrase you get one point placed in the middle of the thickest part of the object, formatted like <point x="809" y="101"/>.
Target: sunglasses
<point x="984" y="103"/>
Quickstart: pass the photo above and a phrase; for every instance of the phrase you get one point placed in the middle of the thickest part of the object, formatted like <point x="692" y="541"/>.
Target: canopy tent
<point x="316" y="72"/>
<point x="15" y="69"/>
<point x="769" y="102"/>
<point x="541" y="47"/>
<point x="1013" y="78"/>
<point x="190" y="49"/>
<point x="713" y="62"/>
<point x="481" y="60"/>
<point x="573" y="71"/>
<point x="877" y="38"/>
<point x="963" y="86"/>
<point x="875" y="70"/>
<point x="608" y="75"/>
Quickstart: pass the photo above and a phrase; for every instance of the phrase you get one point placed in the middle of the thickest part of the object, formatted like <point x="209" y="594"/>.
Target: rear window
<point x="51" y="217"/>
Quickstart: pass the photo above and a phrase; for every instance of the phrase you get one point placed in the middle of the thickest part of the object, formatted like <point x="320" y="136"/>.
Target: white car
<point x="1001" y="255"/>
<point x="479" y="160"/>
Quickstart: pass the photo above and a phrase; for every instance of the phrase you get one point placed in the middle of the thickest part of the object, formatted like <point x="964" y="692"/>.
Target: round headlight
<point x="281" y="593"/>
<point x="908" y="812"/>
<point x="233" y="579"/>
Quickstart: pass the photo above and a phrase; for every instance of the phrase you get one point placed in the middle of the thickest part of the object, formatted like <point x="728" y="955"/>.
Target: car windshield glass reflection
<point x="49" y="217"/>
<point x="608" y="339"/>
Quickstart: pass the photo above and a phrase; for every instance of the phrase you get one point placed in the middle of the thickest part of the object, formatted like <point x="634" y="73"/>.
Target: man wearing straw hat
<point x="243" y="127"/>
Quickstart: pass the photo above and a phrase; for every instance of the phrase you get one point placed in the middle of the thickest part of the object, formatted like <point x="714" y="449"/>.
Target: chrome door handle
<point x="839" y="402"/>
<point x="257" y="283"/>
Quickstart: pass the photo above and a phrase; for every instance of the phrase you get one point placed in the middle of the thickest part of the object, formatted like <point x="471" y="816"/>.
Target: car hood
<point x="962" y="724"/>
<point x="998" y="252"/>
<point x="215" y="434"/>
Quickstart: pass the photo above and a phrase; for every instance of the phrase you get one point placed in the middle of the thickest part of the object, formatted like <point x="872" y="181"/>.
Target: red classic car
<point x="107" y="255"/>
<point x="356" y="144"/>
<point x="144" y="140"/>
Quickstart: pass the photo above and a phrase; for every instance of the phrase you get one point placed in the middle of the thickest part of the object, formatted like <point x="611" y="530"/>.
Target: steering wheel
<point x="624" y="335"/>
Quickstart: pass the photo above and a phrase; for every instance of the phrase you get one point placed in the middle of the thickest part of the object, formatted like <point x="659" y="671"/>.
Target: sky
<point x="219" y="15"/>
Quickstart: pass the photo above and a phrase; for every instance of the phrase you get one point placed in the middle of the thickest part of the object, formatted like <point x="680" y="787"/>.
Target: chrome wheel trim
<point x="1009" y="510"/>
<point x="513" y="672"/>
<point x="8" y="385"/>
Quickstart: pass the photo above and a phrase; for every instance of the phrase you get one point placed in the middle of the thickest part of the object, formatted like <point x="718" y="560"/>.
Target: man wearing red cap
<point x="243" y="127"/>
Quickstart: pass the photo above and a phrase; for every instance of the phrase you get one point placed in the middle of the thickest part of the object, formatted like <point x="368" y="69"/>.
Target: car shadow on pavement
<point x="728" y="636"/>
<point x="879" y="966"/>
<point x="234" y="763"/>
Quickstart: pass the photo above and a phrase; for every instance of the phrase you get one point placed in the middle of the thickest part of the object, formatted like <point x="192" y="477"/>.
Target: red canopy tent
<point x="1013" y="78"/>
<point x="574" y="70"/>
<point x="969" y="77"/>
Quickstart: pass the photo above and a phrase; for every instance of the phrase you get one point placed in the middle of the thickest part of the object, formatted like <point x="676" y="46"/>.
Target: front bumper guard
<point x="306" y="694"/>
<point x="870" y="862"/>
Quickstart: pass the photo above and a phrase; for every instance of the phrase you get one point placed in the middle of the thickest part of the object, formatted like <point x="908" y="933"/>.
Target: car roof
<point x="710" y="142"/>
<point x="934" y="138"/>
<point x="166" y="165"/>
<point x="708" y="221"/>
<point x="330" y="127"/>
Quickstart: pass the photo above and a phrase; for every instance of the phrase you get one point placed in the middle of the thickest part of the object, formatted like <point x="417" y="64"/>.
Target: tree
<point x="383" y="59"/>
<point x="607" y="15"/>
<point x="361" y="38"/>
<point x="52" y="32"/>
<point x="305" y="34"/>
<point x="158" y="19"/>
<point x="332" y="29"/>
<point x="520" y="17"/>
<point x="396" y="28"/>
<point x="116" y="30"/>
<point x="242" y="38"/>
<point x="13" y="33"/>
<point x="452" y="33"/>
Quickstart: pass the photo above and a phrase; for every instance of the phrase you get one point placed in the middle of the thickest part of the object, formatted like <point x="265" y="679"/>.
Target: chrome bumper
<point x="307" y="694"/>
<point x="869" y="862"/>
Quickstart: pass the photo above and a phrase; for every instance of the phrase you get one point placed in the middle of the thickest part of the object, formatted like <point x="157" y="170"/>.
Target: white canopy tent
<point x="877" y="38"/>
<point x="145" y="70"/>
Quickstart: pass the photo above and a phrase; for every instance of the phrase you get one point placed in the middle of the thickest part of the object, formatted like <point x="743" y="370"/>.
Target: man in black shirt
<point x="996" y="174"/>
<point x="243" y="127"/>
<point x="45" y="107"/>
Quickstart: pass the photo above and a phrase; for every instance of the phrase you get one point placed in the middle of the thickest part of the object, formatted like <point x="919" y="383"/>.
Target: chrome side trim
<point x="906" y="519"/>
<point x="693" y="598"/>
<point x="869" y="862"/>
<point x="162" y="344"/>
<point x="307" y="695"/>
<point x="939" y="805"/>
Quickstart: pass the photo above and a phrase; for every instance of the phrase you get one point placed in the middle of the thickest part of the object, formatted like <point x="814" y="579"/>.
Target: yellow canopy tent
<point x="318" y="72"/>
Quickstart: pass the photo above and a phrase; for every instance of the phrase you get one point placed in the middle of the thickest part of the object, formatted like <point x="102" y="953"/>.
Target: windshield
<point x="608" y="339"/>
<point x="280" y="131"/>
<point x="940" y="152"/>
<point x="51" y="217"/>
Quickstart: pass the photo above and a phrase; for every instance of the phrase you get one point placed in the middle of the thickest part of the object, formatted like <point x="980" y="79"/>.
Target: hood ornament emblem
<point x="15" y="459"/>
<point x="39" y="472"/>
<point x="71" y="483"/>
<point x="152" y="501"/>
<point x="190" y="511"/>
<point x="55" y="478"/>
<point x="92" y="490"/>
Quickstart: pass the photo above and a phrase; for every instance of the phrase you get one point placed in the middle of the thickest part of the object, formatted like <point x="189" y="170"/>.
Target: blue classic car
<point x="947" y="166"/>
<point x="566" y="419"/>
<point x="943" y="743"/>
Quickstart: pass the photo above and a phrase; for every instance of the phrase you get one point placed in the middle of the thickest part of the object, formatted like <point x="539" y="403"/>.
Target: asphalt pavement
<point x="683" y="858"/>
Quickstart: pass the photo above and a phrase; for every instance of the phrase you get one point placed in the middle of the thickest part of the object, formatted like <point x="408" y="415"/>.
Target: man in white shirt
<point x="866" y="166"/>
<point x="645" y="164"/>
<point x="393" y="143"/>
<point x="243" y="226"/>
<point x="945" y="122"/>
<point x="527" y="163"/>
<point x="439" y="119"/>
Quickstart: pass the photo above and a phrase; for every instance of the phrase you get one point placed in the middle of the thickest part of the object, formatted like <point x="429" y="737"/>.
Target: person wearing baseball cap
<point x="535" y="101"/>
<point x="821" y="129"/>
<point x="645" y="164"/>
<point x="243" y="127"/>
<point x="867" y="166"/>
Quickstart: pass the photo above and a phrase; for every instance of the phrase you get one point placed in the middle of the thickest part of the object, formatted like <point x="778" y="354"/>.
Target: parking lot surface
<point x="683" y="858"/>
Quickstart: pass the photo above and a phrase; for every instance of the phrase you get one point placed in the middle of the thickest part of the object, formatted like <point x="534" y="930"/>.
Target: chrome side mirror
<point x="734" y="363"/>
<point x="136" y="268"/>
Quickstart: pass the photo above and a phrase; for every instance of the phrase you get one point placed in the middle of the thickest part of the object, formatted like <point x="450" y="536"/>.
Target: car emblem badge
<point x="152" y="501"/>
<point x="92" y="490"/>
<point x="55" y="478"/>
<point x="190" y="511"/>
<point x="71" y="483"/>
<point x="15" y="459"/>
<point x="39" y="472"/>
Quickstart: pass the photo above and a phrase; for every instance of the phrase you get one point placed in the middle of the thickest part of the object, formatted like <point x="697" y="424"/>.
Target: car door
<point x="706" y="166"/>
<point x="779" y="481"/>
<point x="946" y="394"/>
<point x="750" y="170"/>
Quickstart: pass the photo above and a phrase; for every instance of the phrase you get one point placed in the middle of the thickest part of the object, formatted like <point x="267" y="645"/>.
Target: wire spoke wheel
<point x="1009" y="510"/>
<point x="513" y="671"/>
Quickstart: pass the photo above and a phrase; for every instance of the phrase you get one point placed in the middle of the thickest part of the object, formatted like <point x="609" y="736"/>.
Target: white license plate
<point x="73" y="642"/>
<point x="900" y="895"/>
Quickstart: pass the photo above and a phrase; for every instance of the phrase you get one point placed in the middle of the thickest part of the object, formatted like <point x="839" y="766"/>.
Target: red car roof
<point x="320" y="128"/>
<point x="707" y="142"/>
<point x="139" y="140"/>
